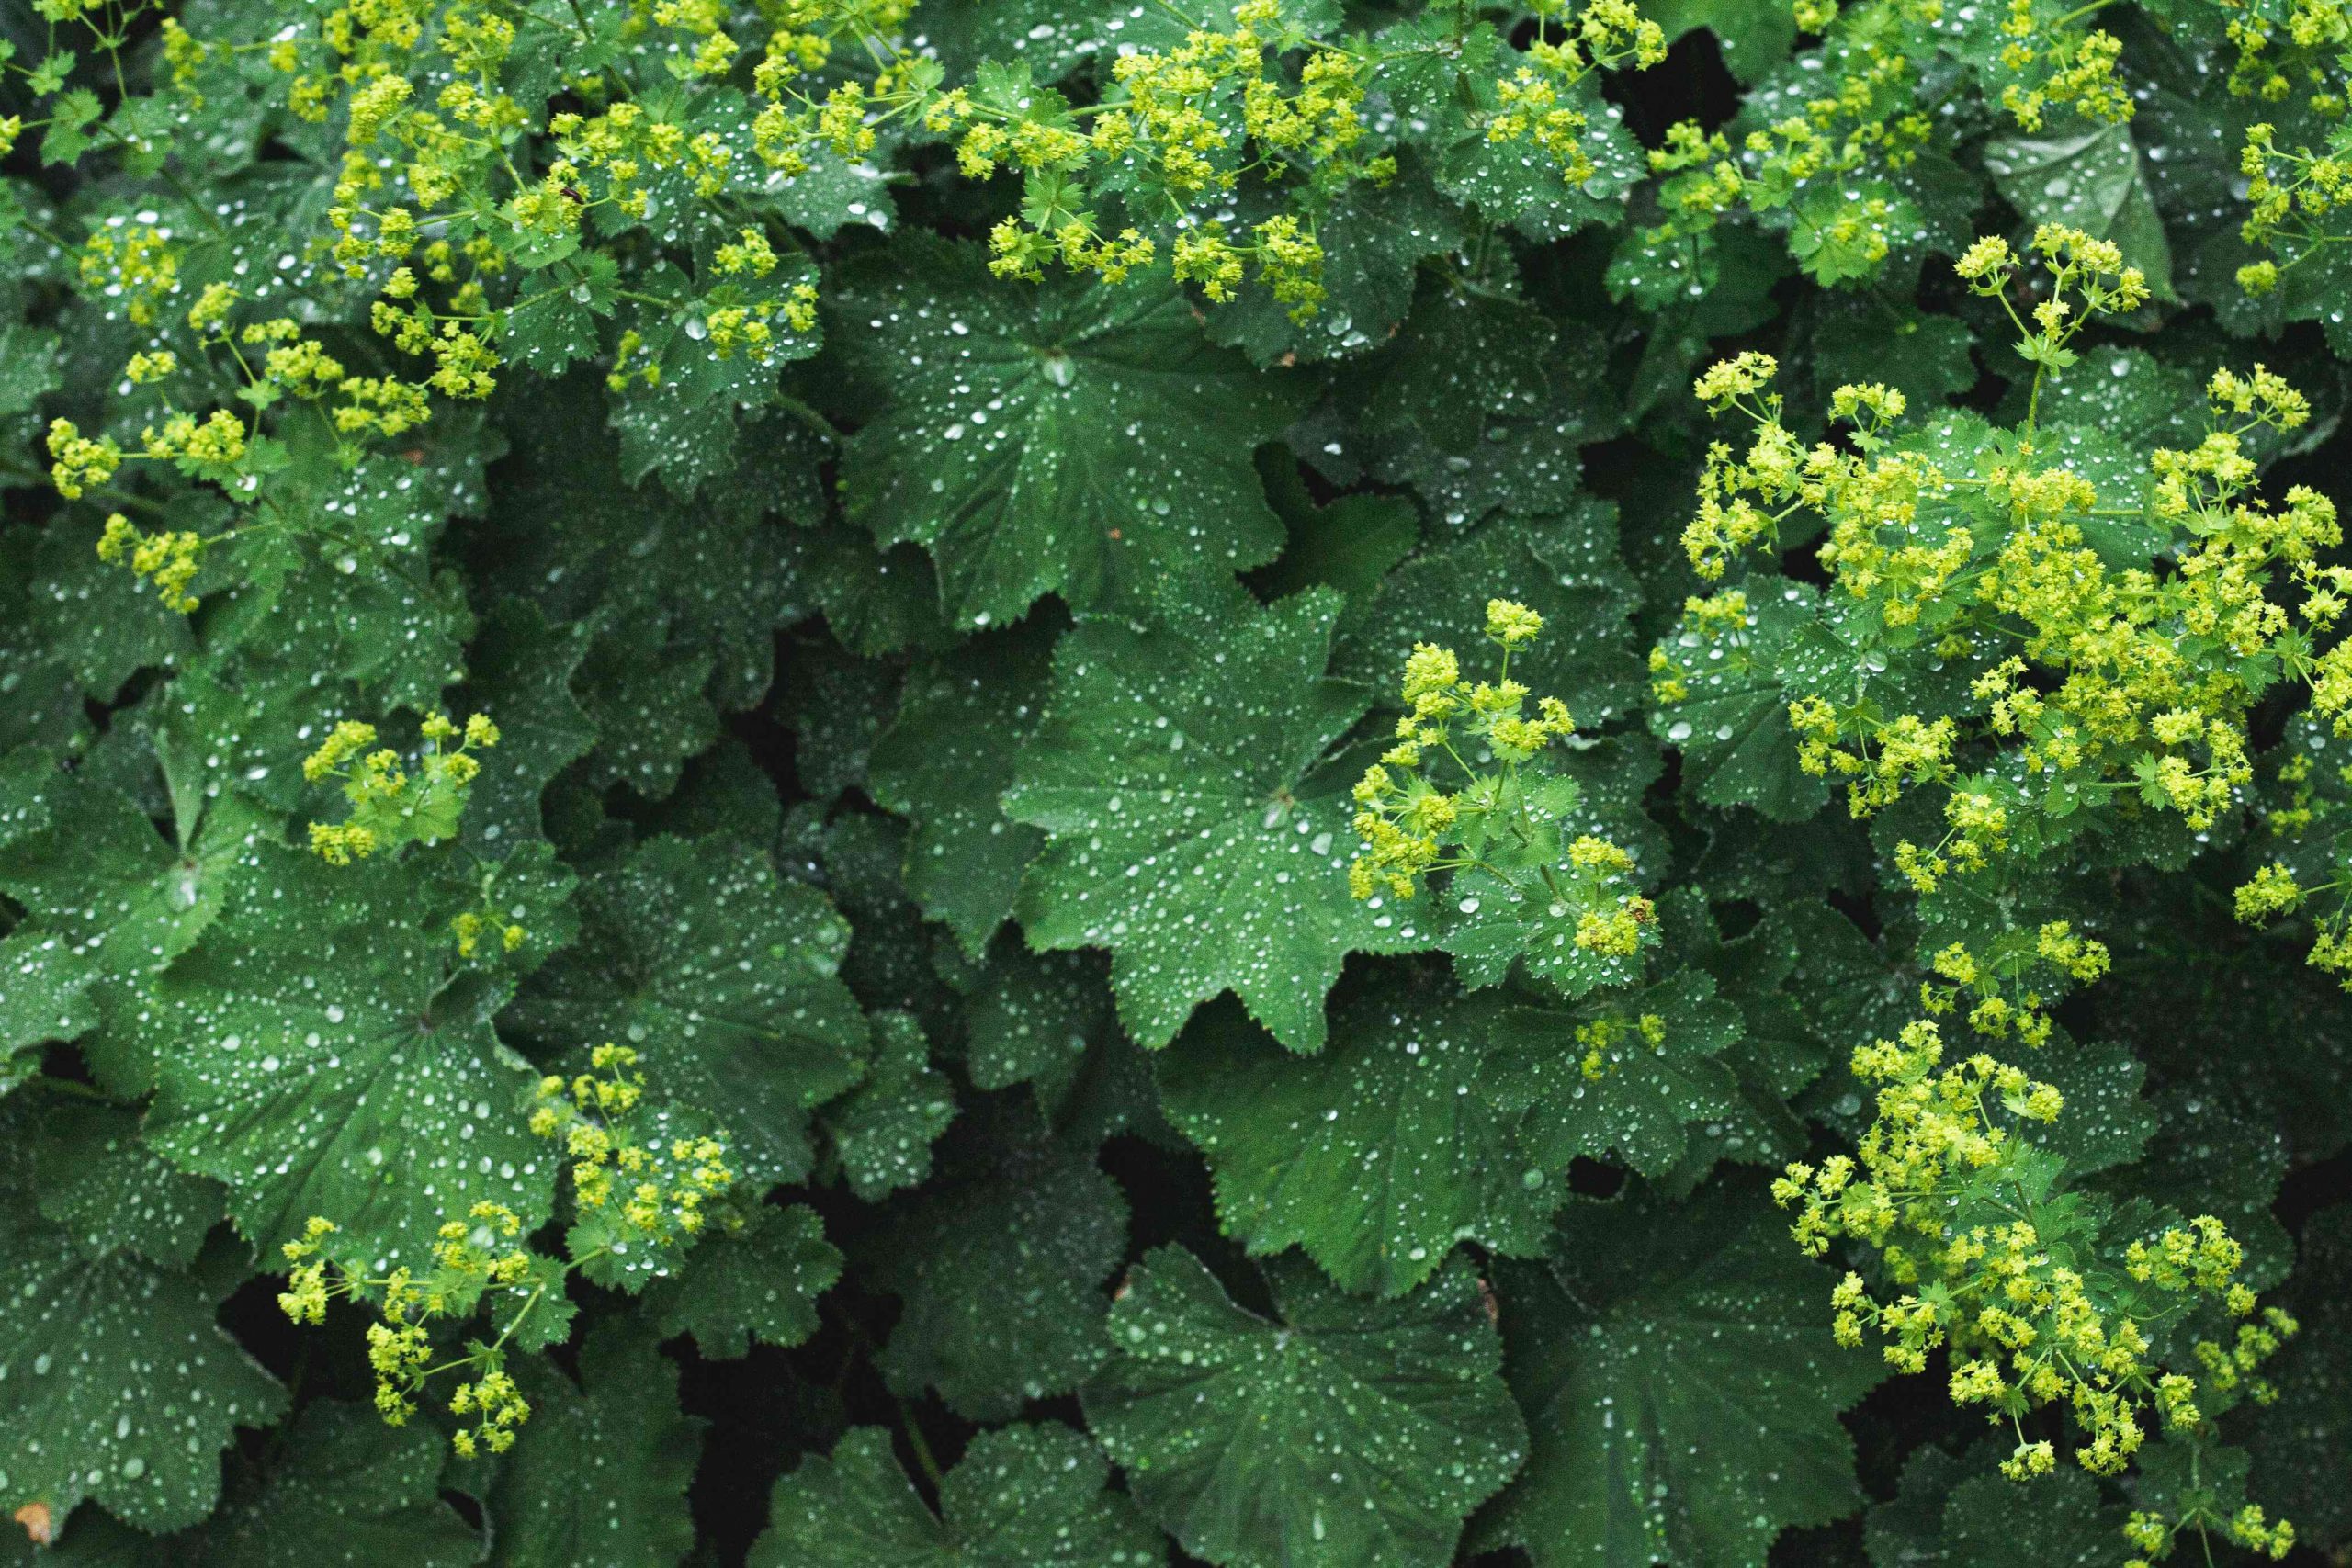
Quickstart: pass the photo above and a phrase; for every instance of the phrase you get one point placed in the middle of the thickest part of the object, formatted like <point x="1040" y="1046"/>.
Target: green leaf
<point x="521" y="676"/>
<point x="1369" y="258"/>
<point x="1564" y="567"/>
<point x="351" y="1489"/>
<point x="1053" y="36"/>
<point x="1025" y="1496"/>
<point x="676" y="584"/>
<point x="1595" y="1083"/>
<point x="647" y="706"/>
<point x="727" y="977"/>
<point x="95" y="1179"/>
<point x="1527" y="460"/>
<point x="1755" y="35"/>
<point x="1377" y="1154"/>
<point x="1836" y="240"/>
<point x="384" y="624"/>
<point x="943" y="762"/>
<point x="999" y="1269"/>
<point x="597" y="1477"/>
<point x="1926" y="358"/>
<point x="1732" y="728"/>
<point x="1960" y="1512"/>
<point x="1680" y="1383"/>
<point x="1047" y="1019"/>
<point x="44" y="991"/>
<point x="761" y="1282"/>
<point x="98" y="620"/>
<point x="1464" y="357"/>
<point x="1351" y="545"/>
<point x="2303" y="1444"/>
<point x="2090" y="179"/>
<point x="1033" y="1015"/>
<point x="1342" y="1431"/>
<point x="2105" y="1124"/>
<point x="2204" y="1146"/>
<point x="321" y="1060"/>
<point x="28" y="366"/>
<point x="837" y="706"/>
<point x="120" y="1384"/>
<point x="1194" y="825"/>
<point x="555" y="322"/>
<point x="1084" y="439"/>
<point x="884" y="1128"/>
<point x="1519" y="185"/>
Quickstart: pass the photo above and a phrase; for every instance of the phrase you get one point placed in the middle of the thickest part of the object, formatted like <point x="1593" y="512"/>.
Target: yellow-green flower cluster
<point x="474" y="1259"/>
<point x="169" y="558"/>
<point x="1403" y="817"/>
<point x="2000" y="1269"/>
<point x="2005" y="998"/>
<point x="2103" y="680"/>
<point x="1535" y="104"/>
<point x="655" y="1195"/>
<point x="2155" y="1535"/>
<point x="2053" y="64"/>
<point x="1608" y="1038"/>
<point x="391" y="806"/>
<point x="81" y="462"/>
<point x="136" y="265"/>
<point x="659" y="1192"/>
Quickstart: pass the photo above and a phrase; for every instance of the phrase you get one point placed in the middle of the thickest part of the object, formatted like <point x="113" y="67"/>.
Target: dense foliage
<point x="1306" y="782"/>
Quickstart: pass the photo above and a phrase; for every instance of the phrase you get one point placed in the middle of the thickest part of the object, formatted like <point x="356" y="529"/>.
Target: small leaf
<point x="620" y="1425"/>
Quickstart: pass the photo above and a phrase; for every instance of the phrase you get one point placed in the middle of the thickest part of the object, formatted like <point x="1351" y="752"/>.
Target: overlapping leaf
<point x="1341" y="1431"/>
<point x="701" y="950"/>
<point x="1196" y="824"/>
<point x="1656" y="1352"/>
<point x="325" y="1059"/>
<point x="1080" y="440"/>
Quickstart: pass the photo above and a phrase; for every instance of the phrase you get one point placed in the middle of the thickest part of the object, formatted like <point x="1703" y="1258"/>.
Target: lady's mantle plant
<point x="1324" y="783"/>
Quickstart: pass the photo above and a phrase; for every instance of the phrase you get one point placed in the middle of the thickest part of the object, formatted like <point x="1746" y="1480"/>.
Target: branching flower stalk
<point x="641" y="1194"/>
<point x="2094" y="683"/>
<point x="2039" y="1297"/>
<point x="1503" y="815"/>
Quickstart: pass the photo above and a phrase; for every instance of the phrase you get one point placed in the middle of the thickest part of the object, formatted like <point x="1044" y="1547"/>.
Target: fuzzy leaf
<point x="1196" y="826"/>
<point x="1594" y="1082"/>
<point x="1079" y="439"/>
<point x="619" y="1424"/>
<point x="884" y="1128"/>
<point x="728" y="975"/>
<point x="1025" y="1496"/>
<point x="1346" y="1432"/>
<point x="1000" y="1272"/>
<point x="351" y="1490"/>
<point x="761" y="1282"/>
<point x="1658" y="1352"/>
<point x="943" y="762"/>
<point x="119" y="1384"/>
<point x="1377" y="1154"/>
<point x="324" y="1061"/>
<point x="95" y="1179"/>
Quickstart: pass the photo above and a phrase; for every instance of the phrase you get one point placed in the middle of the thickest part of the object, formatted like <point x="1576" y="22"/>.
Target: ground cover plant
<point x="1307" y="783"/>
